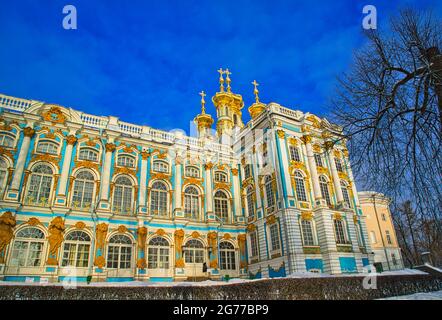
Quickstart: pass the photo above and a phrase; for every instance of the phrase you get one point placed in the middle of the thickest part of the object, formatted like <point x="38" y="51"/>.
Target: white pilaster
<point x="335" y="176"/>
<point x="105" y="178"/>
<point x="177" y="192"/>
<point x="312" y="168"/>
<point x="28" y="133"/>
<point x="143" y="182"/>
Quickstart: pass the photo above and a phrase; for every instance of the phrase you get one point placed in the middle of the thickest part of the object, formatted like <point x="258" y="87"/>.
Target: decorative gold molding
<point x="337" y="216"/>
<point x="208" y="166"/>
<point x="306" y="215"/>
<point x="195" y="235"/>
<point x="281" y="133"/>
<point x="160" y="232"/>
<point x="234" y="172"/>
<point x="145" y="155"/>
<point x="122" y="229"/>
<point x="227" y="236"/>
<point x="54" y="115"/>
<point x="251" y="228"/>
<point x="212" y="239"/>
<point x="125" y="170"/>
<point x="33" y="222"/>
<point x="306" y="139"/>
<point x="80" y="225"/>
<point x="271" y="219"/>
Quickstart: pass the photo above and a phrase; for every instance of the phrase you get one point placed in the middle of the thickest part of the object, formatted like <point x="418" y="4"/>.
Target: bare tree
<point x="389" y="105"/>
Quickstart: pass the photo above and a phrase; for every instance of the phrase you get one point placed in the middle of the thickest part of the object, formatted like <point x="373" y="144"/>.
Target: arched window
<point x="323" y="184"/>
<point x="40" y="184"/>
<point x="123" y="195"/>
<point x="300" y="187"/>
<point x="28" y="248"/>
<point x="294" y="154"/>
<point x="344" y="188"/>
<point x="270" y="196"/>
<point x="88" y="154"/>
<point x="340" y="233"/>
<point x="83" y="190"/>
<point x="158" y="253"/>
<point x="221" y="205"/>
<point x="46" y="146"/>
<point x="7" y="140"/>
<point x="227" y="256"/>
<point x="192" y="172"/>
<point x="126" y="161"/>
<point x="76" y="249"/>
<point x="160" y="166"/>
<point x="191" y="203"/>
<point x="119" y="253"/>
<point x="308" y="237"/>
<point x="194" y="251"/>
<point x="220" y="176"/>
<point x="250" y="202"/>
<point x="158" y="199"/>
<point x="3" y="175"/>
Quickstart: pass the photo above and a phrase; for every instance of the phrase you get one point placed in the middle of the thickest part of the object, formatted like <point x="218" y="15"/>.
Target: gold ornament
<point x="55" y="238"/>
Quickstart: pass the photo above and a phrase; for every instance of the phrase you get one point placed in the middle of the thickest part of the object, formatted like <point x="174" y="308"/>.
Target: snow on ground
<point x="435" y="295"/>
<point x="207" y="282"/>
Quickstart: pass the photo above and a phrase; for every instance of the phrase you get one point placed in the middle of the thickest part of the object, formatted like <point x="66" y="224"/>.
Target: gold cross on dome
<point x="228" y="73"/>
<point x="255" y="90"/>
<point x="221" y="79"/>
<point x="203" y="102"/>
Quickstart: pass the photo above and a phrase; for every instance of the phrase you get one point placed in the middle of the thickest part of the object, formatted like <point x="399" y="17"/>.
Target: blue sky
<point x="146" y="61"/>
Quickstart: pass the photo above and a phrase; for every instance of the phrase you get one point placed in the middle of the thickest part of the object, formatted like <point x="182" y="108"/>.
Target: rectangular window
<point x="340" y="232"/>
<point x="318" y="160"/>
<point x="294" y="154"/>
<point x="307" y="233"/>
<point x="254" y="244"/>
<point x="248" y="171"/>
<point x="387" y="234"/>
<point x="338" y="164"/>
<point x="274" y="237"/>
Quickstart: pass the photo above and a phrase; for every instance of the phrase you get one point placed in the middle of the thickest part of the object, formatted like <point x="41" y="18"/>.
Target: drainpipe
<point x="380" y="230"/>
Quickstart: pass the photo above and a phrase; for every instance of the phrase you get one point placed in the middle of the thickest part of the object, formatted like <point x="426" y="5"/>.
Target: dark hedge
<point x="331" y="288"/>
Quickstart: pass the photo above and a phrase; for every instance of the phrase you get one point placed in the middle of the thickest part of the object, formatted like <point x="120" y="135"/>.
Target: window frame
<point x="158" y="251"/>
<point x="227" y="256"/>
<point x="54" y="143"/>
<point x="90" y="150"/>
<point x="124" y="193"/>
<point x="10" y="135"/>
<point x="163" y="199"/>
<point x="28" y="253"/>
<point x="68" y="244"/>
<point x="127" y="157"/>
<point x="119" y="254"/>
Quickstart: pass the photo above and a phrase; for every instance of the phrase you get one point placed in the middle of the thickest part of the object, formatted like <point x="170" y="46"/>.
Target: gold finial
<point x="221" y="79"/>
<point x="203" y="102"/>
<point x="228" y="73"/>
<point x="255" y="90"/>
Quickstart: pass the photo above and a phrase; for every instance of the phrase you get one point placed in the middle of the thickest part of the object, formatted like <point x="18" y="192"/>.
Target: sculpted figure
<point x="7" y="224"/>
<point x="55" y="238"/>
<point x="179" y="237"/>
<point x="101" y="232"/>
<point x="212" y="239"/>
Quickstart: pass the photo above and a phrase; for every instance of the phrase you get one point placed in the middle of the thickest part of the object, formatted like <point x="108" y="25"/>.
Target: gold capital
<point x="110" y="147"/>
<point x="28" y="132"/>
<point x="71" y="139"/>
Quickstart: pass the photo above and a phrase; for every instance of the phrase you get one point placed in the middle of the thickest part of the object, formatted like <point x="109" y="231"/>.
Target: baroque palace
<point x="90" y="196"/>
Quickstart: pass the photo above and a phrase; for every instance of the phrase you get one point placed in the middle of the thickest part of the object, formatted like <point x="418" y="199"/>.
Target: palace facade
<point x="85" y="195"/>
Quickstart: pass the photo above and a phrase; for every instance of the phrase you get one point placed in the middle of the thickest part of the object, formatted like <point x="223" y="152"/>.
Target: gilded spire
<point x="221" y="79"/>
<point x="228" y="73"/>
<point x="203" y="102"/>
<point x="255" y="90"/>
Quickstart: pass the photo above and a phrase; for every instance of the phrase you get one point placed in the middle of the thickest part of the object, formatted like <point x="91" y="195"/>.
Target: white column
<point x="143" y="179"/>
<point x="110" y="148"/>
<point x="28" y="133"/>
<point x="336" y="180"/>
<point x="71" y="140"/>
<point x="254" y="161"/>
<point x="177" y="191"/>
<point x="312" y="166"/>
<point x="285" y="164"/>
<point x="236" y="192"/>
<point x="209" y="191"/>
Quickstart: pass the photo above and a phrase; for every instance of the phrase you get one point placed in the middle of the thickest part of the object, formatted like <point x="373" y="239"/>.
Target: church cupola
<point x="258" y="107"/>
<point x="228" y="107"/>
<point x="204" y="120"/>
